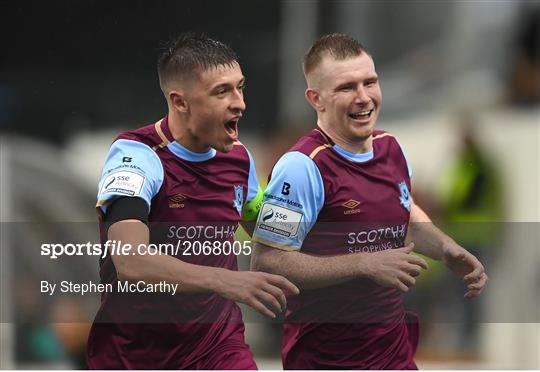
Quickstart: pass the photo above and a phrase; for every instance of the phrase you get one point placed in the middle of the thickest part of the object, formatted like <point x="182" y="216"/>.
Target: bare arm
<point x="434" y="243"/>
<point x="264" y="292"/>
<point x="430" y="240"/>
<point x="156" y="268"/>
<point x="391" y="268"/>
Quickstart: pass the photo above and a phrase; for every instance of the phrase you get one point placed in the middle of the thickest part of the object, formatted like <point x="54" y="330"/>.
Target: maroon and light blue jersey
<point x="323" y="200"/>
<point x="192" y="197"/>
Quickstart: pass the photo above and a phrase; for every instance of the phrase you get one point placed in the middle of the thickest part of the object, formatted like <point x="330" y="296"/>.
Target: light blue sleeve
<point x="409" y="168"/>
<point x="131" y="169"/>
<point x="292" y="202"/>
<point x="253" y="181"/>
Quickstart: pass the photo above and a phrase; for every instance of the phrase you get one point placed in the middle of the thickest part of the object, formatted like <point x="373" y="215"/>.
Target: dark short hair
<point x="339" y="46"/>
<point x="191" y="53"/>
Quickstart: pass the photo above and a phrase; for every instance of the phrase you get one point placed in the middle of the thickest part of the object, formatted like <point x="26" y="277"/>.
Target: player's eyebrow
<point x="373" y="78"/>
<point x="228" y="85"/>
<point x="347" y="84"/>
<point x="351" y="83"/>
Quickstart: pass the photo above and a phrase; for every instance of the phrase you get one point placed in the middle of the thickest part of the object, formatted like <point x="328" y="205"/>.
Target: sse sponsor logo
<point x="279" y="220"/>
<point x="123" y="182"/>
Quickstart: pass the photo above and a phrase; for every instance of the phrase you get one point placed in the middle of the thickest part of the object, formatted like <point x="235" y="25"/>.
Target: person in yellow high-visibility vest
<point x="472" y="205"/>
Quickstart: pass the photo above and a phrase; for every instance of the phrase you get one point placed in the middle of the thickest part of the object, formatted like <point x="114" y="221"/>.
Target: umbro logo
<point x="176" y="201"/>
<point x="351" y="205"/>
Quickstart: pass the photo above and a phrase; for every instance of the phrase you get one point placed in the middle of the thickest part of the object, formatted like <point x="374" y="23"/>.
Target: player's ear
<point x="313" y="98"/>
<point x="178" y="101"/>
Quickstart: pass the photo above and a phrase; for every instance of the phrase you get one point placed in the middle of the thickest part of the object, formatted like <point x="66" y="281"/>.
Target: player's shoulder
<point x="383" y="139"/>
<point x="386" y="144"/>
<point x="380" y="134"/>
<point x="150" y="135"/>
<point x="312" y="143"/>
<point x="239" y="148"/>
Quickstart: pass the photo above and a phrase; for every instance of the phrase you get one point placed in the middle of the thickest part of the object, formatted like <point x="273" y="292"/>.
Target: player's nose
<point x="237" y="102"/>
<point x="361" y="95"/>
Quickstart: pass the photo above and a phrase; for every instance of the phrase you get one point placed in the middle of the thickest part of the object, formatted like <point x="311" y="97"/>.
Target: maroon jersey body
<point x="357" y="324"/>
<point x="196" y="202"/>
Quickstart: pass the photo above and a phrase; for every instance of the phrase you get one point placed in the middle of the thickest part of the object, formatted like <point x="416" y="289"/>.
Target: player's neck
<point x="353" y="146"/>
<point x="181" y="135"/>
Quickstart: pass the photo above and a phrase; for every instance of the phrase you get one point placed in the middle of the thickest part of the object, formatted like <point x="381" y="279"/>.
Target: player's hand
<point x="467" y="267"/>
<point x="395" y="268"/>
<point x="262" y="291"/>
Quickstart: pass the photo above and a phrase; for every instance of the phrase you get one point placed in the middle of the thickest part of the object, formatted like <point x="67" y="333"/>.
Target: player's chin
<point x="362" y="134"/>
<point x="225" y="146"/>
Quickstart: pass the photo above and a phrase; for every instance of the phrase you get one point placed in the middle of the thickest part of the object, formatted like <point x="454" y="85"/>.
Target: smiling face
<point x="210" y="108"/>
<point x="347" y="97"/>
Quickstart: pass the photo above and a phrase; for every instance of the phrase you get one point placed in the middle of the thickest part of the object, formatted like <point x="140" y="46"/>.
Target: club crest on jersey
<point x="238" y="198"/>
<point x="405" y="197"/>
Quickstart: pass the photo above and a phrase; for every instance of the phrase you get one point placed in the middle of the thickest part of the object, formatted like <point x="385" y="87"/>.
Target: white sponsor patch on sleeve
<point x="279" y="220"/>
<point x="123" y="182"/>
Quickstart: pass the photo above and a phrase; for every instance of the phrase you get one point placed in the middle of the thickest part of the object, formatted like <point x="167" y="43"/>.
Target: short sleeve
<point x="292" y="202"/>
<point x="409" y="168"/>
<point x="131" y="169"/>
<point x="253" y="181"/>
<point x="254" y="195"/>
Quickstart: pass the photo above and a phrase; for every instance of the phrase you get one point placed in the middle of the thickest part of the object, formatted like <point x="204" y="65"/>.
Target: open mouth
<point x="361" y="114"/>
<point x="231" y="127"/>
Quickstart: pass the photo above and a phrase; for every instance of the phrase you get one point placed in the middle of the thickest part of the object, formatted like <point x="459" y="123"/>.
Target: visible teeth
<point x="361" y="113"/>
